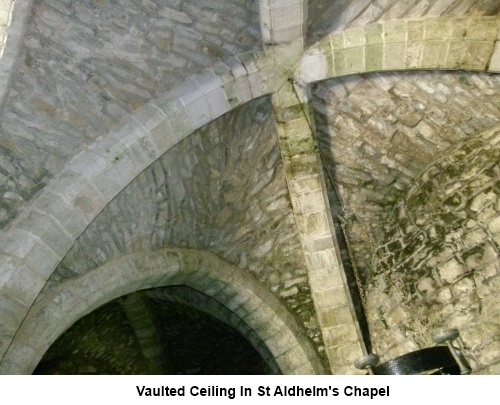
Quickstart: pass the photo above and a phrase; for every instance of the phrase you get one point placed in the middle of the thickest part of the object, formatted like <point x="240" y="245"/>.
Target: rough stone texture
<point x="189" y="198"/>
<point x="80" y="70"/>
<point x="303" y="170"/>
<point x="378" y="132"/>
<point x="437" y="266"/>
<point x="85" y="65"/>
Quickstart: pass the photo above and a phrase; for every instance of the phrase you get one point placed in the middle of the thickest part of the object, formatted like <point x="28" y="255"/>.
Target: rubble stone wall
<point x="438" y="262"/>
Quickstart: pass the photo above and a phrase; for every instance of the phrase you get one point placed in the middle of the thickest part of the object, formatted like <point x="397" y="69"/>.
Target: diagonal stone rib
<point x="336" y="313"/>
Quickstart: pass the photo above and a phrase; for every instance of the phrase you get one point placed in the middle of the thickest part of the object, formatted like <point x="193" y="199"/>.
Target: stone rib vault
<point x="172" y="158"/>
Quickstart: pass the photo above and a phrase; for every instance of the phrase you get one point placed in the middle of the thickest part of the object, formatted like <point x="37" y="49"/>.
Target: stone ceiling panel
<point x="379" y="132"/>
<point x="222" y="189"/>
<point x="85" y="65"/>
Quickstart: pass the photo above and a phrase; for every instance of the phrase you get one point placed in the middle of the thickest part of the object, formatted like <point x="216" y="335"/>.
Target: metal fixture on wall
<point x="445" y="358"/>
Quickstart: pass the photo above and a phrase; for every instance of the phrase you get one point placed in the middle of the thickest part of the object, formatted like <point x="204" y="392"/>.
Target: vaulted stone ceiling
<point x="88" y="84"/>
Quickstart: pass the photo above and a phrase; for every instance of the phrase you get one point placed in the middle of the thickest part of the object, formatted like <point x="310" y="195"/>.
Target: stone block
<point x="293" y="359"/>
<point x="455" y="55"/>
<point x="304" y="184"/>
<point x="474" y="238"/>
<point x="177" y="117"/>
<point x="208" y="82"/>
<point x="287" y="34"/>
<point x="243" y="90"/>
<point x="451" y="271"/>
<point x="89" y="202"/>
<point x="223" y="72"/>
<point x="188" y="92"/>
<point x="18" y="242"/>
<point x="316" y="225"/>
<point x="198" y="112"/>
<point x="354" y="60"/>
<point x="286" y="16"/>
<point x="345" y="354"/>
<point x="330" y="298"/>
<point x="87" y="164"/>
<point x="149" y="116"/>
<point x="458" y="27"/>
<point x="333" y="317"/>
<point x="43" y="260"/>
<point x="272" y="77"/>
<point x="284" y="54"/>
<point x="314" y="68"/>
<point x="373" y="34"/>
<point x="339" y="64"/>
<point x="394" y="31"/>
<point x="70" y="218"/>
<point x="24" y="285"/>
<point x="311" y="203"/>
<point x="437" y="29"/>
<point x="237" y="68"/>
<point x="302" y="166"/>
<point x="23" y="360"/>
<point x="482" y="29"/>
<point x="280" y="342"/>
<point x="268" y="328"/>
<point x="297" y="126"/>
<point x="354" y="37"/>
<point x="334" y="336"/>
<point x="494" y="65"/>
<point x="238" y="300"/>
<point x="163" y="137"/>
<point x="315" y="245"/>
<point x="325" y="259"/>
<point x="256" y="84"/>
<point x="414" y="51"/>
<point x="374" y="58"/>
<point x="217" y="103"/>
<point x="477" y="55"/>
<point x="111" y="181"/>
<point x="336" y="43"/>
<point x="434" y="54"/>
<point x="494" y="225"/>
<point x="258" y="317"/>
<point x="394" y="55"/>
<point x="415" y="31"/>
<point x="68" y="185"/>
<point x="13" y="312"/>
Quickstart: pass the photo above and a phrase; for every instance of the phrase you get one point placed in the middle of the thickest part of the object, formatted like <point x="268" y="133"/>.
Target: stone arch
<point x="450" y="43"/>
<point x="40" y="237"/>
<point x="257" y="309"/>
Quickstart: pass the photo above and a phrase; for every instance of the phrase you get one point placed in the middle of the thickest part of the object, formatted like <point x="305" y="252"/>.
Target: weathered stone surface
<point x="367" y="128"/>
<point x="446" y="264"/>
<point x="236" y="206"/>
<point x="86" y="65"/>
<point x="84" y="68"/>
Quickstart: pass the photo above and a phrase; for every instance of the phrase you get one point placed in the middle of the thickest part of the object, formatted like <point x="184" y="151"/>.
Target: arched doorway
<point x="249" y="308"/>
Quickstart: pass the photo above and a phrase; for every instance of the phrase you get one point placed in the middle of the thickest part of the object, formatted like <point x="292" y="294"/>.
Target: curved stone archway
<point x="35" y="243"/>
<point x="448" y="43"/>
<point x="260" y="314"/>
